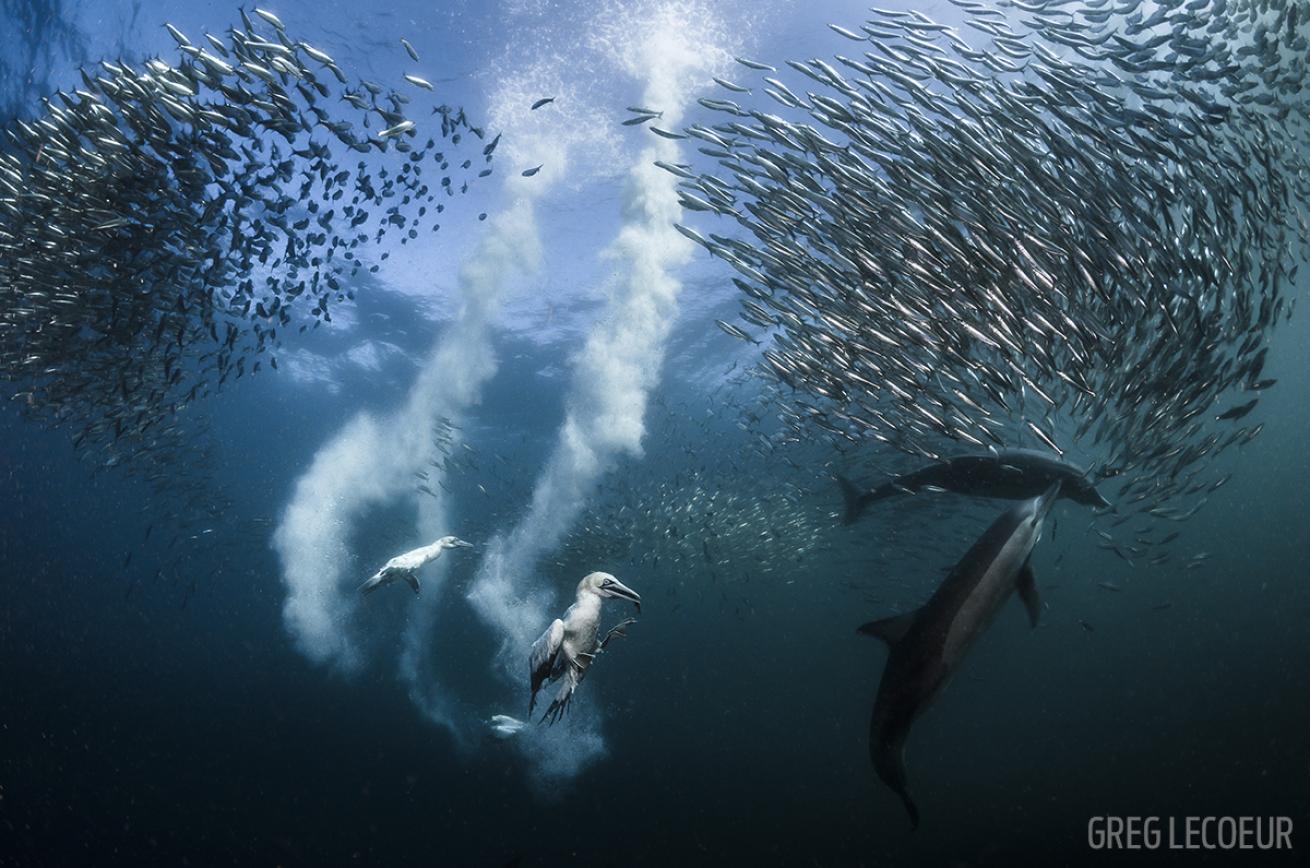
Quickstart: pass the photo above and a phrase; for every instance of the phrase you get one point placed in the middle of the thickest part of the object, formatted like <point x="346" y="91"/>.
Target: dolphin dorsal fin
<point x="854" y="499"/>
<point x="889" y="630"/>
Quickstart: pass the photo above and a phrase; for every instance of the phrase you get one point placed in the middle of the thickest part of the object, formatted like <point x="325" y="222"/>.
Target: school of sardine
<point x="1075" y="236"/>
<point x="166" y="224"/>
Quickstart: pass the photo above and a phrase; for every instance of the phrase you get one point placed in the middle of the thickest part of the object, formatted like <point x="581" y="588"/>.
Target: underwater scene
<point x="654" y="432"/>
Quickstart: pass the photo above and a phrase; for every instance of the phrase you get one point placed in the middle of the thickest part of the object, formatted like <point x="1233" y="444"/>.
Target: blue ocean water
<point x="168" y="697"/>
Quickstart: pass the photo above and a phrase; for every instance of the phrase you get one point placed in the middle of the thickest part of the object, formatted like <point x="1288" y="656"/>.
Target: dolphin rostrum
<point x="1013" y="474"/>
<point x="928" y="643"/>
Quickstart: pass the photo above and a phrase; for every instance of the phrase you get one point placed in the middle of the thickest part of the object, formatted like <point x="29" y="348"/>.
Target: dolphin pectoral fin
<point x="889" y="630"/>
<point x="1027" y="588"/>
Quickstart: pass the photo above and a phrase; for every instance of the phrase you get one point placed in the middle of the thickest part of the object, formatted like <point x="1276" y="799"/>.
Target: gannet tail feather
<point x="385" y="576"/>
<point x="560" y="704"/>
<point x="373" y="583"/>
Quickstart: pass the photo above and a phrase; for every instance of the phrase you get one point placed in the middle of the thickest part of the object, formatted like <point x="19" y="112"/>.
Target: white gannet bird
<point x="406" y="566"/>
<point x="569" y="645"/>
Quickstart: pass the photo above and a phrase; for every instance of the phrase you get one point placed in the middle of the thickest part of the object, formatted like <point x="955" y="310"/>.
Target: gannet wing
<point x="402" y="562"/>
<point x="545" y="653"/>
<point x="387" y="575"/>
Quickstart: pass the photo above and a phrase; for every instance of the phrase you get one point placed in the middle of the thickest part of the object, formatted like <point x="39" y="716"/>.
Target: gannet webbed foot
<point x="614" y="632"/>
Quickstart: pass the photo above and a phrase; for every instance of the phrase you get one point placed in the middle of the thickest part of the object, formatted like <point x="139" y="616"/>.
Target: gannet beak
<point x="615" y="588"/>
<point x="460" y="544"/>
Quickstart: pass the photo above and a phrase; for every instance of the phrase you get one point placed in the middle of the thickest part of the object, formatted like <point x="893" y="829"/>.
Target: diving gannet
<point x="406" y="566"/>
<point x="569" y="645"/>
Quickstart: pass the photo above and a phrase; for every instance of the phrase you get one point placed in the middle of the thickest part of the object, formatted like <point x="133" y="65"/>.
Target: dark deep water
<point x="169" y="720"/>
<point x="139" y="731"/>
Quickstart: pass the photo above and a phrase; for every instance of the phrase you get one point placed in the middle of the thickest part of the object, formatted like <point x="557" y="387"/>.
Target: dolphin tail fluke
<point x="911" y="808"/>
<point x="854" y="499"/>
<point x="889" y="763"/>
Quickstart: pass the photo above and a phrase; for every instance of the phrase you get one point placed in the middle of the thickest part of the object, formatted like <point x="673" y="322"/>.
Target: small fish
<point x="728" y="85"/>
<point x="1044" y="437"/>
<point x="178" y="35"/>
<point x="270" y="18"/>
<point x="541" y="102"/>
<point x="732" y="330"/>
<point x="1235" y="413"/>
<point x="677" y="169"/>
<point x="321" y="56"/>
<point x="413" y="55"/>
<point x="402" y="127"/>
<point x="419" y="82"/>
<point x="842" y="31"/>
<point x="665" y="133"/>
<point x="528" y="173"/>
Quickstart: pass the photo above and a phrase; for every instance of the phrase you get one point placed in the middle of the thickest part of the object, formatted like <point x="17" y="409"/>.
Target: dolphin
<point x="928" y="643"/>
<point x="1013" y="474"/>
